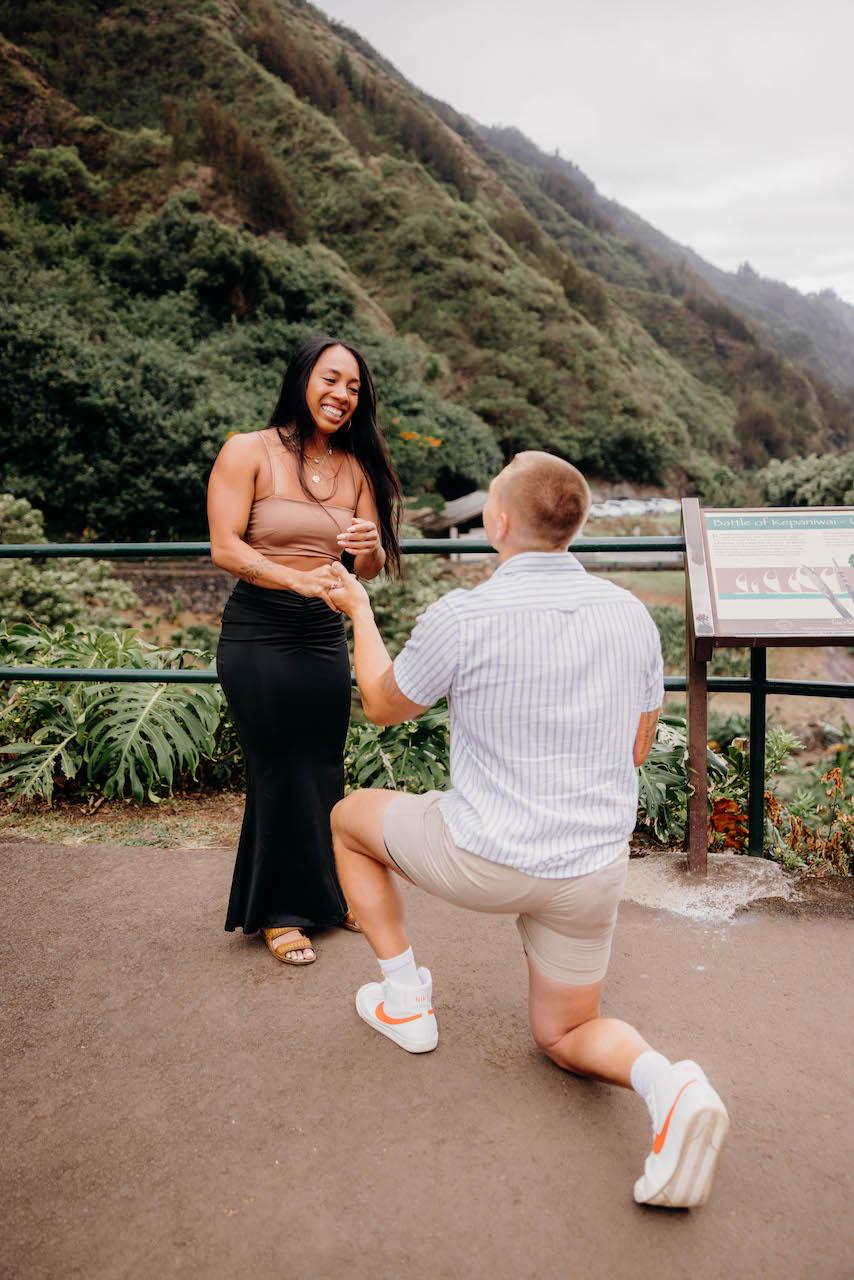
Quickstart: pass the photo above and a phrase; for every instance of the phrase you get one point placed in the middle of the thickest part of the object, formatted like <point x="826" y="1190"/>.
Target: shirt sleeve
<point x="425" y="667"/>
<point x="653" y="691"/>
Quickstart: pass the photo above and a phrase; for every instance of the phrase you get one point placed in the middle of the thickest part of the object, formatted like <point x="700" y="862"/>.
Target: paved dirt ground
<point x="179" y="1104"/>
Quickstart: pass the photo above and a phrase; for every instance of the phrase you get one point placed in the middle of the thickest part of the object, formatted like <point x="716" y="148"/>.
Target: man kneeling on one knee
<point x="554" y="681"/>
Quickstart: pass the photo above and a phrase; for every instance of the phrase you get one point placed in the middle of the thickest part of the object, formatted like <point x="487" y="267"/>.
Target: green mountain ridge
<point x="817" y="330"/>
<point x="250" y="173"/>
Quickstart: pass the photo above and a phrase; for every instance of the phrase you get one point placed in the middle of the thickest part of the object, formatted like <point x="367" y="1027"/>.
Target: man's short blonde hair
<point x="547" y="498"/>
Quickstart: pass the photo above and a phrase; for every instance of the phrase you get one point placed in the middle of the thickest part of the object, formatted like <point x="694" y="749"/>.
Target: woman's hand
<point x="348" y="593"/>
<point x="360" y="538"/>
<point x="317" y="582"/>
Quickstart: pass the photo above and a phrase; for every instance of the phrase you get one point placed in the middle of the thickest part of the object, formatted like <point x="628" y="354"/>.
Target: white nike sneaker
<point x="404" y="1014"/>
<point x="687" y="1138"/>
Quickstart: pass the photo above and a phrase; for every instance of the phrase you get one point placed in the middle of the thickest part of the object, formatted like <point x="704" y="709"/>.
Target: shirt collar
<point x="540" y="562"/>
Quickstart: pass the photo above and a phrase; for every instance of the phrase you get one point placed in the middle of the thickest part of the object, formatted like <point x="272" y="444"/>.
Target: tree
<point x="57" y="180"/>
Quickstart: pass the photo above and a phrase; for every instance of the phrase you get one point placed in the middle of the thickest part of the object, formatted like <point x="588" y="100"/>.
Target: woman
<point x="284" y="504"/>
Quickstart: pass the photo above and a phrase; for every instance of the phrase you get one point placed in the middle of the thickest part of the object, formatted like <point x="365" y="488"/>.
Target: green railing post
<point x="756" y="794"/>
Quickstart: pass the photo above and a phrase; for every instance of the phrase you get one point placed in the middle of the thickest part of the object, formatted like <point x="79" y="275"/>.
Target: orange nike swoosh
<point x="380" y="1013"/>
<point x="661" y="1137"/>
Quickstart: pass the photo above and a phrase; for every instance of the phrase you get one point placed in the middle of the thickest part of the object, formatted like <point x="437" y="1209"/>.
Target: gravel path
<point x="177" y="1104"/>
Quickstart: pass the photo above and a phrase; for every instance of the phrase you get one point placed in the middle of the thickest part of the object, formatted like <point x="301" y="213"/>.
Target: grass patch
<point x="653" y="586"/>
<point x="207" y="821"/>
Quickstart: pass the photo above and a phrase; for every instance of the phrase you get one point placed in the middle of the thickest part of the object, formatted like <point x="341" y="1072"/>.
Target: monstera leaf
<point x="53" y="747"/>
<point x="140" y="736"/>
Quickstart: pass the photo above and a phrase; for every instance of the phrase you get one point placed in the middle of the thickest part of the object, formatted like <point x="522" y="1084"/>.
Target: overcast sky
<point x="727" y="124"/>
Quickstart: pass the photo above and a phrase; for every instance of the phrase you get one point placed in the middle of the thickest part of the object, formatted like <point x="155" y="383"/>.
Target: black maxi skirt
<point x="284" y="668"/>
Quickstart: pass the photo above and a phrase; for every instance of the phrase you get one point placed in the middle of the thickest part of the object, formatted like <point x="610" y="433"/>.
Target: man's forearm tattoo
<point x="647" y="736"/>
<point x="388" y="684"/>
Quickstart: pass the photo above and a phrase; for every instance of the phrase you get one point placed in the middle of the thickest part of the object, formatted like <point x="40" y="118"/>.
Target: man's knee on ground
<point x="548" y="1038"/>
<point x="549" y="1028"/>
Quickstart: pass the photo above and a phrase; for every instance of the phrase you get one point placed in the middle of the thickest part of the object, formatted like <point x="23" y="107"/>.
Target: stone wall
<point x="198" y="585"/>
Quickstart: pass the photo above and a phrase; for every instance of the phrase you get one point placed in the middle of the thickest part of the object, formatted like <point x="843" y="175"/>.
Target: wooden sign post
<point x="762" y="578"/>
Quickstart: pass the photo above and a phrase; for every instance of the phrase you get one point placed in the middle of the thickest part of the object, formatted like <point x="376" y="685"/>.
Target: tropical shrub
<point x="663" y="781"/>
<point x="412" y="756"/>
<point x="56" y="591"/>
<point x="57" y="180"/>
<point x="811" y="830"/>
<point x="809" y="482"/>
<point x="134" y="740"/>
<point x="734" y="786"/>
<point x="141" y="740"/>
<point x="815" y="830"/>
<point x="714" y="483"/>
<point x="814" y="827"/>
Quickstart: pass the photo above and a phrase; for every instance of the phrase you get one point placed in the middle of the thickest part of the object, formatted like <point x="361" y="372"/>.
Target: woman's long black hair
<point x="361" y="436"/>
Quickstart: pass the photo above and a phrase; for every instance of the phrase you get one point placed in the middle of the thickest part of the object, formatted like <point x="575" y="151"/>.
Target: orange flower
<point x="409" y="435"/>
<point x="433" y="442"/>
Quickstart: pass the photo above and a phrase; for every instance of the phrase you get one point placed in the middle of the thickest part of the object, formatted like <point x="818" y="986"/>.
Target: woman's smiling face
<point x="332" y="393"/>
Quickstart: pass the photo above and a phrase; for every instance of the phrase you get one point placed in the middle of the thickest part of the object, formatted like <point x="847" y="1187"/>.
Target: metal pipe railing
<point x="409" y="546"/>
<point x="206" y="675"/>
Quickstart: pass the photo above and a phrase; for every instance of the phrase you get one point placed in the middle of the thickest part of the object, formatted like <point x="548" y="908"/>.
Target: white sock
<point x="649" y="1073"/>
<point x="401" y="969"/>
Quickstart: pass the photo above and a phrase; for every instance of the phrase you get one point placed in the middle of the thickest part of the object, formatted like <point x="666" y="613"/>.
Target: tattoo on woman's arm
<point x="251" y="572"/>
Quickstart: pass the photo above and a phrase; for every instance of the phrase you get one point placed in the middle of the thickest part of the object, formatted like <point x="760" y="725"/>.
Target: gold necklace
<point x="315" y="476"/>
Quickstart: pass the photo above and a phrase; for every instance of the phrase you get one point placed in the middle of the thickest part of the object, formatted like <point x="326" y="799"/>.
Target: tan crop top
<point x="286" y="522"/>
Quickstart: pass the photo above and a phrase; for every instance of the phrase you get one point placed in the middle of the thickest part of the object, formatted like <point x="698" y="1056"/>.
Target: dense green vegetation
<point x="809" y="482"/>
<point x="139" y="741"/>
<point x="57" y="591"/>
<point x="810" y="827"/>
<point x="126" y="366"/>
<point x="190" y="190"/>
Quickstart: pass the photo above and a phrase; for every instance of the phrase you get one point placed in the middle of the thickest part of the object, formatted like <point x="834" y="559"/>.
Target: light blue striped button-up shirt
<point x="547" y="671"/>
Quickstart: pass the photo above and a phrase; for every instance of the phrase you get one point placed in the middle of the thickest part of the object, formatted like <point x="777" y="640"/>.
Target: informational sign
<point x="761" y="578"/>
<point x="773" y="573"/>
<point x="787" y="568"/>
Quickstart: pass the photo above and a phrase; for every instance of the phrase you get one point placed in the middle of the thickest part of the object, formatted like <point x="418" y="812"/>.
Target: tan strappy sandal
<point x="298" y="943"/>
<point x="350" y="922"/>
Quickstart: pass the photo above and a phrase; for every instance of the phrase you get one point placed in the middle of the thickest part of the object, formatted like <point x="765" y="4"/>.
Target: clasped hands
<point x="347" y="593"/>
<point x="341" y="590"/>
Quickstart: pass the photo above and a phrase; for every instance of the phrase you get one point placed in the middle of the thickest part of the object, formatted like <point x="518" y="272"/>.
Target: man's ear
<point x="502" y="525"/>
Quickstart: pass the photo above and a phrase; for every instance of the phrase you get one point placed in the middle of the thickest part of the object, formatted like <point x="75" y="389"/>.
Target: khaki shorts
<point x="566" y="925"/>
